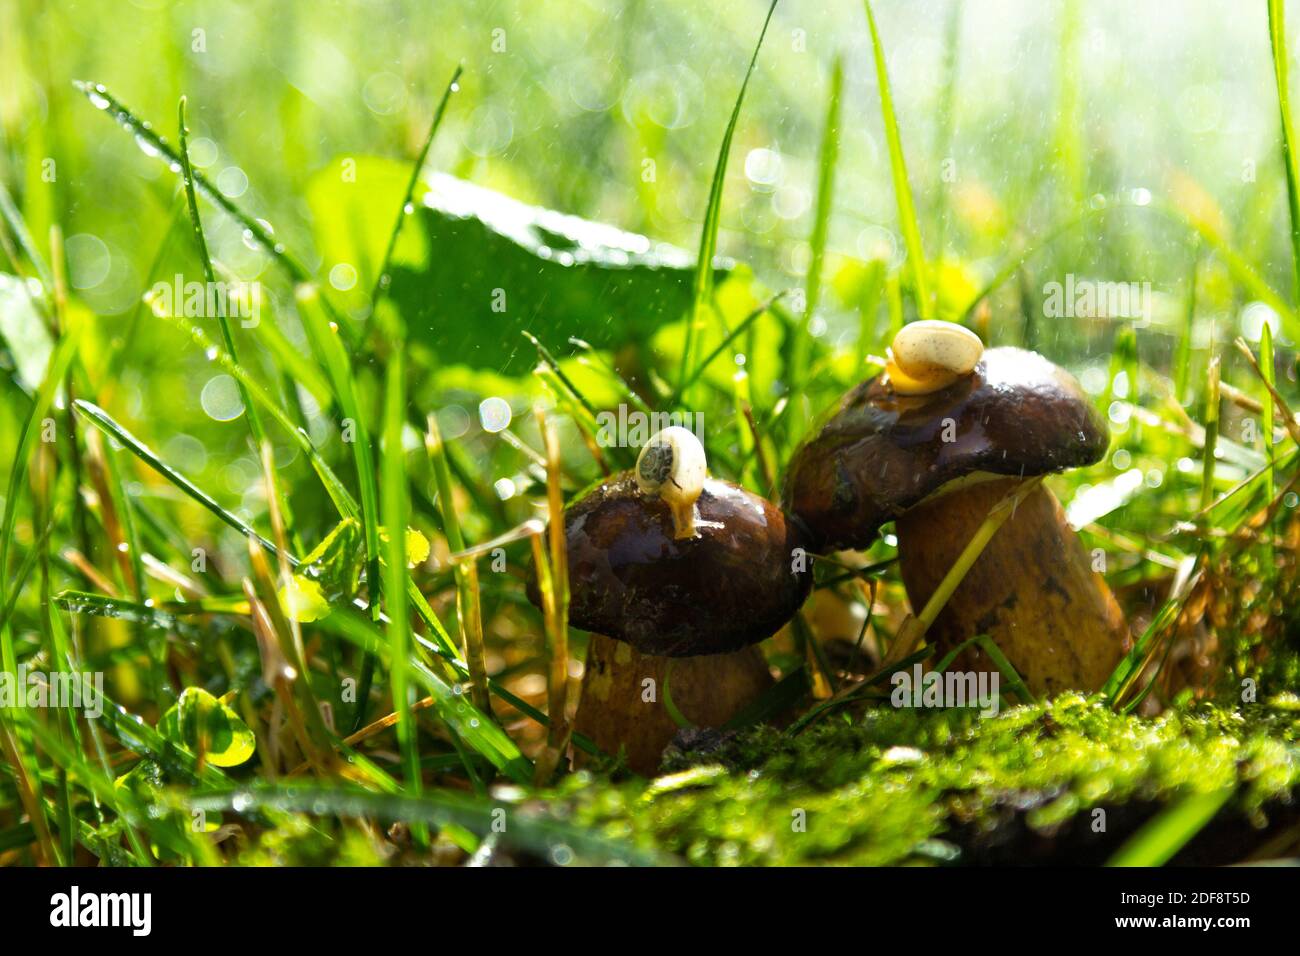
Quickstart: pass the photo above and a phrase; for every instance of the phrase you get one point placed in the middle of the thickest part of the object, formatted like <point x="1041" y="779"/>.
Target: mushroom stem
<point x="619" y="710"/>
<point x="1033" y="590"/>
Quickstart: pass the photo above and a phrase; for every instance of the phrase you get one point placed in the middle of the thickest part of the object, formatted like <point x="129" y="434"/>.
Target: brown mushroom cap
<point x="881" y="453"/>
<point x="732" y="585"/>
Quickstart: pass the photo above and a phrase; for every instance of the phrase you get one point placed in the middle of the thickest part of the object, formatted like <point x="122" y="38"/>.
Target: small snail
<point x="930" y="355"/>
<point x="672" y="466"/>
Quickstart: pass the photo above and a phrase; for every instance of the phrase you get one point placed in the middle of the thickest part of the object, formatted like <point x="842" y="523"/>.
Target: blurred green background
<point x="1015" y="116"/>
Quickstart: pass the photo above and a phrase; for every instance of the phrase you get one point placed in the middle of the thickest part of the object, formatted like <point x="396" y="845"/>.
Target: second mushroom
<point x="933" y="444"/>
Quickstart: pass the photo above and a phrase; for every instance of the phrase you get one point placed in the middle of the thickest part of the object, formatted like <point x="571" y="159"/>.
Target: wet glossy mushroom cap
<point x="730" y="586"/>
<point x="881" y="453"/>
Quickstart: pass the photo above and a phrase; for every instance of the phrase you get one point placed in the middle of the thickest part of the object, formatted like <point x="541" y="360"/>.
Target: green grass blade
<point x="155" y="145"/>
<point x="1009" y="674"/>
<point x="1183" y="351"/>
<point x="827" y="158"/>
<point x="106" y="423"/>
<point x="703" y="289"/>
<point x="1211" y="431"/>
<point x="102" y="605"/>
<point x="1246" y="275"/>
<point x="453" y="705"/>
<point x="343" y="501"/>
<point x="1069" y="131"/>
<point x="1266" y="365"/>
<point x="741" y="327"/>
<point x="540" y="832"/>
<point x="382" y="277"/>
<point x="946" y="120"/>
<point x="171" y="832"/>
<point x="1170" y="830"/>
<point x="59" y="362"/>
<point x="395" y="508"/>
<point x="251" y="412"/>
<point x="1277" y="44"/>
<point x="18" y="226"/>
<point x="898" y="172"/>
<point x="105" y="101"/>
<point x="339" y="370"/>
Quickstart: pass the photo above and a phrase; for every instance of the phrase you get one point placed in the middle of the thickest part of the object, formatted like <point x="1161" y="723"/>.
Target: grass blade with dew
<point x="151" y="144"/>
<point x="1277" y="45"/>
<point x="702" y="299"/>
<point x="338" y="493"/>
<point x="104" y="605"/>
<point x="168" y="831"/>
<point x="223" y="321"/>
<point x="540" y="832"/>
<point x="827" y="158"/>
<point x="382" y="278"/>
<point x="105" y="423"/>
<point x="898" y="172"/>
<point x="1171" y="829"/>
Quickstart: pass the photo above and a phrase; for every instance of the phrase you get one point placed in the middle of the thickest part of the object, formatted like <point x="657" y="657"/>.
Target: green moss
<point x="898" y="786"/>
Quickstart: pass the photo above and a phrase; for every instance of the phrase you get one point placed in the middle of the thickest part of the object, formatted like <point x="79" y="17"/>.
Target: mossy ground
<point x="911" y="786"/>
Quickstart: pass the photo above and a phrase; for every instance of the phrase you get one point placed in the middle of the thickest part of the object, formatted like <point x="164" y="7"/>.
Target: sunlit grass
<point x="116" y="540"/>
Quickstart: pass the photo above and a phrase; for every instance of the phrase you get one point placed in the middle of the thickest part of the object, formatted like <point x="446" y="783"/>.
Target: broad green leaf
<point x="474" y="268"/>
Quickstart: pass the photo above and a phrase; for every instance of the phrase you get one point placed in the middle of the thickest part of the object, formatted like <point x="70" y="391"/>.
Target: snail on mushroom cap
<point x="677" y="576"/>
<point x="933" y="445"/>
<point x="672" y="466"/>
